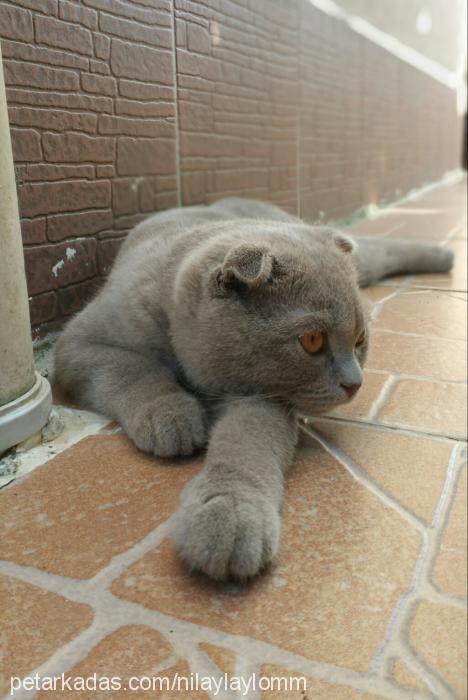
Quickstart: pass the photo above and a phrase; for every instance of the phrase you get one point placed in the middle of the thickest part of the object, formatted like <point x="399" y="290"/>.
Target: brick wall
<point x="267" y="98"/>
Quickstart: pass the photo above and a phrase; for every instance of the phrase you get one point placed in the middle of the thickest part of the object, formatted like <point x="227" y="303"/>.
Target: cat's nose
<point x="351" y="389"/>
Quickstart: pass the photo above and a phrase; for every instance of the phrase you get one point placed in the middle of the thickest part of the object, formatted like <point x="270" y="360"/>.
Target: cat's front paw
<point x="169" y="426"/>
<point x="226" y="533"/>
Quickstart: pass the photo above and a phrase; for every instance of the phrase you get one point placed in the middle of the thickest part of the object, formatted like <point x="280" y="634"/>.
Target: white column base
<point x="21" y="418"/>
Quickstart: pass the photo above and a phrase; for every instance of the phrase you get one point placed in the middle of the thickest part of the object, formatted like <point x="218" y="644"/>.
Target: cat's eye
<point x="312" y="341"/>
<point x="361" y="338"/>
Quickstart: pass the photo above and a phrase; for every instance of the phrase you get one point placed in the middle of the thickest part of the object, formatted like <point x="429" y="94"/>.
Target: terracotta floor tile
<point x="359" y="408"/>
<point x="425" y="312"/>
<point x="133" y="651"/>
<point x="450" y="571"/>
<point x="431" y="216"/>
<point x="447" y="196"/>
<point x="438" y="635"/>
<point x="429" y="406"/>
<point x="224" y="659"/>
<point x="34" y="625"/>
<point x="401" y="674"/>
<point x="345" y="560"/>
<point x="430" y="358"/>
<point x="398" y="282"/>
<point x="412" y="469"/>
<point x="379" y="226"/>
<point x="287" y="686"/>
<point x="376" y="294"/>
<point x="457" y="236"/>
<point x="91" y="502"/>
<point x="416" y="222"/>
<point x="424" y="223"/>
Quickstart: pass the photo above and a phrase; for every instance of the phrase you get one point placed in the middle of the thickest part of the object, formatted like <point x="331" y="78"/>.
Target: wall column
<point x="25" y="396"/>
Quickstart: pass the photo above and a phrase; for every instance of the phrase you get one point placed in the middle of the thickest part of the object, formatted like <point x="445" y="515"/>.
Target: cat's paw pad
<point x="226" y="536"/>
<point x="169" y="426"/>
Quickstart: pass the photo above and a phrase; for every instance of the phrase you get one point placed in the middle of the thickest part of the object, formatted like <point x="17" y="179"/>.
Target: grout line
<point x="441" y="293"/>
<point x="461" y="226"/>
<point x="393" y="229"/>
<point x="123" y="561"/>
<point x="451" y="178"/>
<point x="381" y="399"/>
<point x="389" y="282"/>
<point x="114" y="612"/>
<point x="130" y="613"/>
<point x="439" y="289"/>
<point x="379" y="305"/>
<point x="416" y="377"/>
<point x="360" y="476"/>
<point x="109" y="606"/>
<point x="200" y="663"/>
<point x="384" y="213"/>
<point x="200" y="659"/>
<point x="441" y="518"/>
<point x="102" y="600"/>
<point x="422" y="563"/>
<point x="406" y="291"/>
<point x="421" y="431"/>
<point x="387" y="427"/>
<point x="68" y="655"/>
<point x="426" y="674"/>
<point x="411" y="291"/>
<point x="398" y="627"/>
<point x="245" y="668"/>
<point x="430" y="592"/>
<point x="451" y="478"/>
<point x="69" y="588"/>
<point x="176" y="108"/>
<point x="399" y="610"/>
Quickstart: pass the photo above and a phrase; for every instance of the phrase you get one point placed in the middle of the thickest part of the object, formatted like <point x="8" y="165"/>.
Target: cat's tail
<point x="377" y="258"/>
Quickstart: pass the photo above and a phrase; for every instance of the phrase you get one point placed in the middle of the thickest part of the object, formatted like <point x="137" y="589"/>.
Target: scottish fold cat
<point x="217" y="326"/>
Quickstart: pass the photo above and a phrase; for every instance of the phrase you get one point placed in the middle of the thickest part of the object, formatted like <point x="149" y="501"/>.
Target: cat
<point x="218" y="325"/>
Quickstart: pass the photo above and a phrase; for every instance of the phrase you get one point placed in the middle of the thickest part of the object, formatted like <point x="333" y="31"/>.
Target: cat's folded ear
<point x="344" y="243"/>
<point x="335" y="237"/>
<point x="246" y="265"/>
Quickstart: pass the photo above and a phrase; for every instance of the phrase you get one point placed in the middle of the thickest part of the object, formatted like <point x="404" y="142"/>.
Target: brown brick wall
<point x="269" y="98"/>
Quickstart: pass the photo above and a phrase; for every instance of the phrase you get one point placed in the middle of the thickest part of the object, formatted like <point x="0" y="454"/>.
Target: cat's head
<point x="277" y="313"/>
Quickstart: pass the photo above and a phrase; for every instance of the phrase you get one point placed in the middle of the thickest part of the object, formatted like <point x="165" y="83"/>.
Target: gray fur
<point x="193" y="340"/>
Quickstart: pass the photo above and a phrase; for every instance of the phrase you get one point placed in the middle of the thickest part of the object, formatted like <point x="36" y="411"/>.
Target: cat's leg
<point x="238" y="207"/>
<point x="137" y="391"/>
<point x="227" y="523"/>
<point x="378" y="258"/>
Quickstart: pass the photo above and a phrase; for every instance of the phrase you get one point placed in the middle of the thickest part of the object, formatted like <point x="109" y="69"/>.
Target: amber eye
<point x="312" y="341"/>
<point x="362" y="337"/>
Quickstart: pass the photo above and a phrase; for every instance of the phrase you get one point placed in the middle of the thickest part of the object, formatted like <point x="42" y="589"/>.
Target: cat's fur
<point x="194" y="340"/>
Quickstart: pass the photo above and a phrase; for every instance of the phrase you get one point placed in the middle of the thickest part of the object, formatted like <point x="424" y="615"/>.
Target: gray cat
<point x="218" y="325"/>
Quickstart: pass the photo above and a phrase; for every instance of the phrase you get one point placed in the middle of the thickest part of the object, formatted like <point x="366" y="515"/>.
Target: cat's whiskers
<point x="231" y="398"/>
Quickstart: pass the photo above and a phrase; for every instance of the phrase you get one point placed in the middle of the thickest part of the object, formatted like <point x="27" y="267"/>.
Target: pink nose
<point x="351" y="389"/>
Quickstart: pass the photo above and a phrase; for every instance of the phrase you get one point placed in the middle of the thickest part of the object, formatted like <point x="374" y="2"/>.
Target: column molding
<point x="25" y="396"/>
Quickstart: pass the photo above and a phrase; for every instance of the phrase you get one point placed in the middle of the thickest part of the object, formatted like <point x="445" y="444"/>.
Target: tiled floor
<point x="368" y="599"/>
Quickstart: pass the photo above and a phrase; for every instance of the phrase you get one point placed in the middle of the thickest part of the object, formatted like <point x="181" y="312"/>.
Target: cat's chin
<point x="308" y="411"/>
<point x="305" y="411"/>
